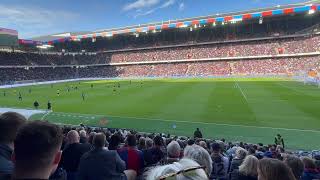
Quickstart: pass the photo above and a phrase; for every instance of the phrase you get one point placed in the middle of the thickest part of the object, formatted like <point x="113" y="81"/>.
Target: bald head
<point x="73" y="137"/>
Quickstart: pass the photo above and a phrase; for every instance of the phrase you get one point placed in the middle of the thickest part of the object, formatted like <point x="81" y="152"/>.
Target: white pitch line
<point x="245" y="97"/>
<point x="206" y="123"/>
<point x="43" y="117"/>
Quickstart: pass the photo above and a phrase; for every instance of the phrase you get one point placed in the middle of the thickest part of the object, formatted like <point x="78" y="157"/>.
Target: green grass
<point x="238" y="109"/>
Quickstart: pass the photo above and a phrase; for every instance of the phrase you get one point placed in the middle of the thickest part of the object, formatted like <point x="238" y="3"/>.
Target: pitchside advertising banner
<point x="8" y="37"/>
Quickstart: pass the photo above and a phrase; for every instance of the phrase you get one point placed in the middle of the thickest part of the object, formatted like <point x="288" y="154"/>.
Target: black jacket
<point x="71" y="156"/>
<point x="101" y="164"/>
<point x="236" y="175"/>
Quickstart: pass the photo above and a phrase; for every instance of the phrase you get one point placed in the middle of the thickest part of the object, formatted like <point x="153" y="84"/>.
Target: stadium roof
<point x="188" y="22"/>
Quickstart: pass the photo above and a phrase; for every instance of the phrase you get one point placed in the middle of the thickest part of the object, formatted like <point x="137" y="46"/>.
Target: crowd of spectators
<point x="237" y="49"/>
<point x="274" y="66"/>
<point x="41" y="150"/>
<point x="53" y="59"/>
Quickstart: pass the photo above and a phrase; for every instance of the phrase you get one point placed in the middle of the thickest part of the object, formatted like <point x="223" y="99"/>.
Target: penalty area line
<point x="245" y="97"/>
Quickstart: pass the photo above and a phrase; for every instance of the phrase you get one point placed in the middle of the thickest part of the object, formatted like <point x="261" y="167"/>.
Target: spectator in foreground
<point x="200" y="155"/>
<point x="10" y="122"/>
<point x="247" y="170"/>
<point x="83" y="137"/>
<point x="37" y="150"/>
<point x="131" y="155"/>
<point x="220" y="163"/>
<point x="310" y="171"/>
<point x="173" y="152"/>
<point x="238" y="159"/>
<point x="100" y="164"/>
<point x="155" y="154"/>
<point x="295" y="164"/>
<point x="72" y="153"/>
<point x="274" y="169"/>
<point x="197" y="134"/>
<point x="182" y="170"/>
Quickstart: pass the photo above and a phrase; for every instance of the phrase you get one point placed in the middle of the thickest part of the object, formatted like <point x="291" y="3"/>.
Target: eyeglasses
<point x="186" y="172"/>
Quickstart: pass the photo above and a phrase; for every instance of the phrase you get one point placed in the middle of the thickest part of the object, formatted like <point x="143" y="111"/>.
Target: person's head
<point x="241" y="153"/>
<point x="249" y="166"/>
<point x="173" y="149"/>
<point x="200" y="155"/>
<point x="215" y="148"/>
<point x="203" y="144"/>
<point x="10" y="122"/>
<point x="198" y="129"/>
<point x="91" y="136"/>
<point x="115" y="140"/>
<point x="158" y="141"/>
<point x="73" y="137"/>
<point x="142" y="142"/>
<point x="295" y="164"/>
<point x="273" y="169"/>
<point x="149" y="143"/>
<point x="278" y="135"/>
<point x="83" y="134"/>
<point x="37" y="150"/>
<point x="131" y="140"/>
<point x="308" y="163"/>
<point x="184" y="169"/>
<point x="99" y="140"/>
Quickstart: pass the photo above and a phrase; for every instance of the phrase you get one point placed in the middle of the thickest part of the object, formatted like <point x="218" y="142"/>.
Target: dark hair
<point x="158" y="141"/>
<point x="295" y="164"/>
<point x="36" y="144"/>
<point x="114" y="142"/>
<point x="190" y="142"/>
<point x="274" y="169"/>
<point x="131" y="140"/>
<point x="99" y="140"/>
<point x="10" y="122"/>
<point x="215" y="147"/>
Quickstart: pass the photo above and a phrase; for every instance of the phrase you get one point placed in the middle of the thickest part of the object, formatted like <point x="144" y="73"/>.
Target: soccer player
<point x="83" y="96"/>
<point x="29" y="90"/>
<point x="36" y="104"/>
<point x="20" y="97"/>
<point x="91" y="85"/>
<point x="4" y="93"/>
<point x="278" y="140"/>
<point x="49" y="105"/>
<point x="58" y="92"/>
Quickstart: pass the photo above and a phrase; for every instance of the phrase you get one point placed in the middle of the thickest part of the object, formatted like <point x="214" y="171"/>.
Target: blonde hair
<point x="249" y="166"/>
<point x="241" y="153"/>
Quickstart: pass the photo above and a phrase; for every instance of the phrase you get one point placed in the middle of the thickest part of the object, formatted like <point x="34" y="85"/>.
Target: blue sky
<point x="41" y="17"/>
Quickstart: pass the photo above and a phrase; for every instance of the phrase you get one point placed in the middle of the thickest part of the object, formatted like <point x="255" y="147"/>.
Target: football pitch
<point x="237" y="109"/>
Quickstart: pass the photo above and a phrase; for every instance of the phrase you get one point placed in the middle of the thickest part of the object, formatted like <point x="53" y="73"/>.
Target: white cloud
<point x="30" y="21"/>
<point x="181" y="6"/>
<point x="166" y="4"/>
<point x="139" y="4"/>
